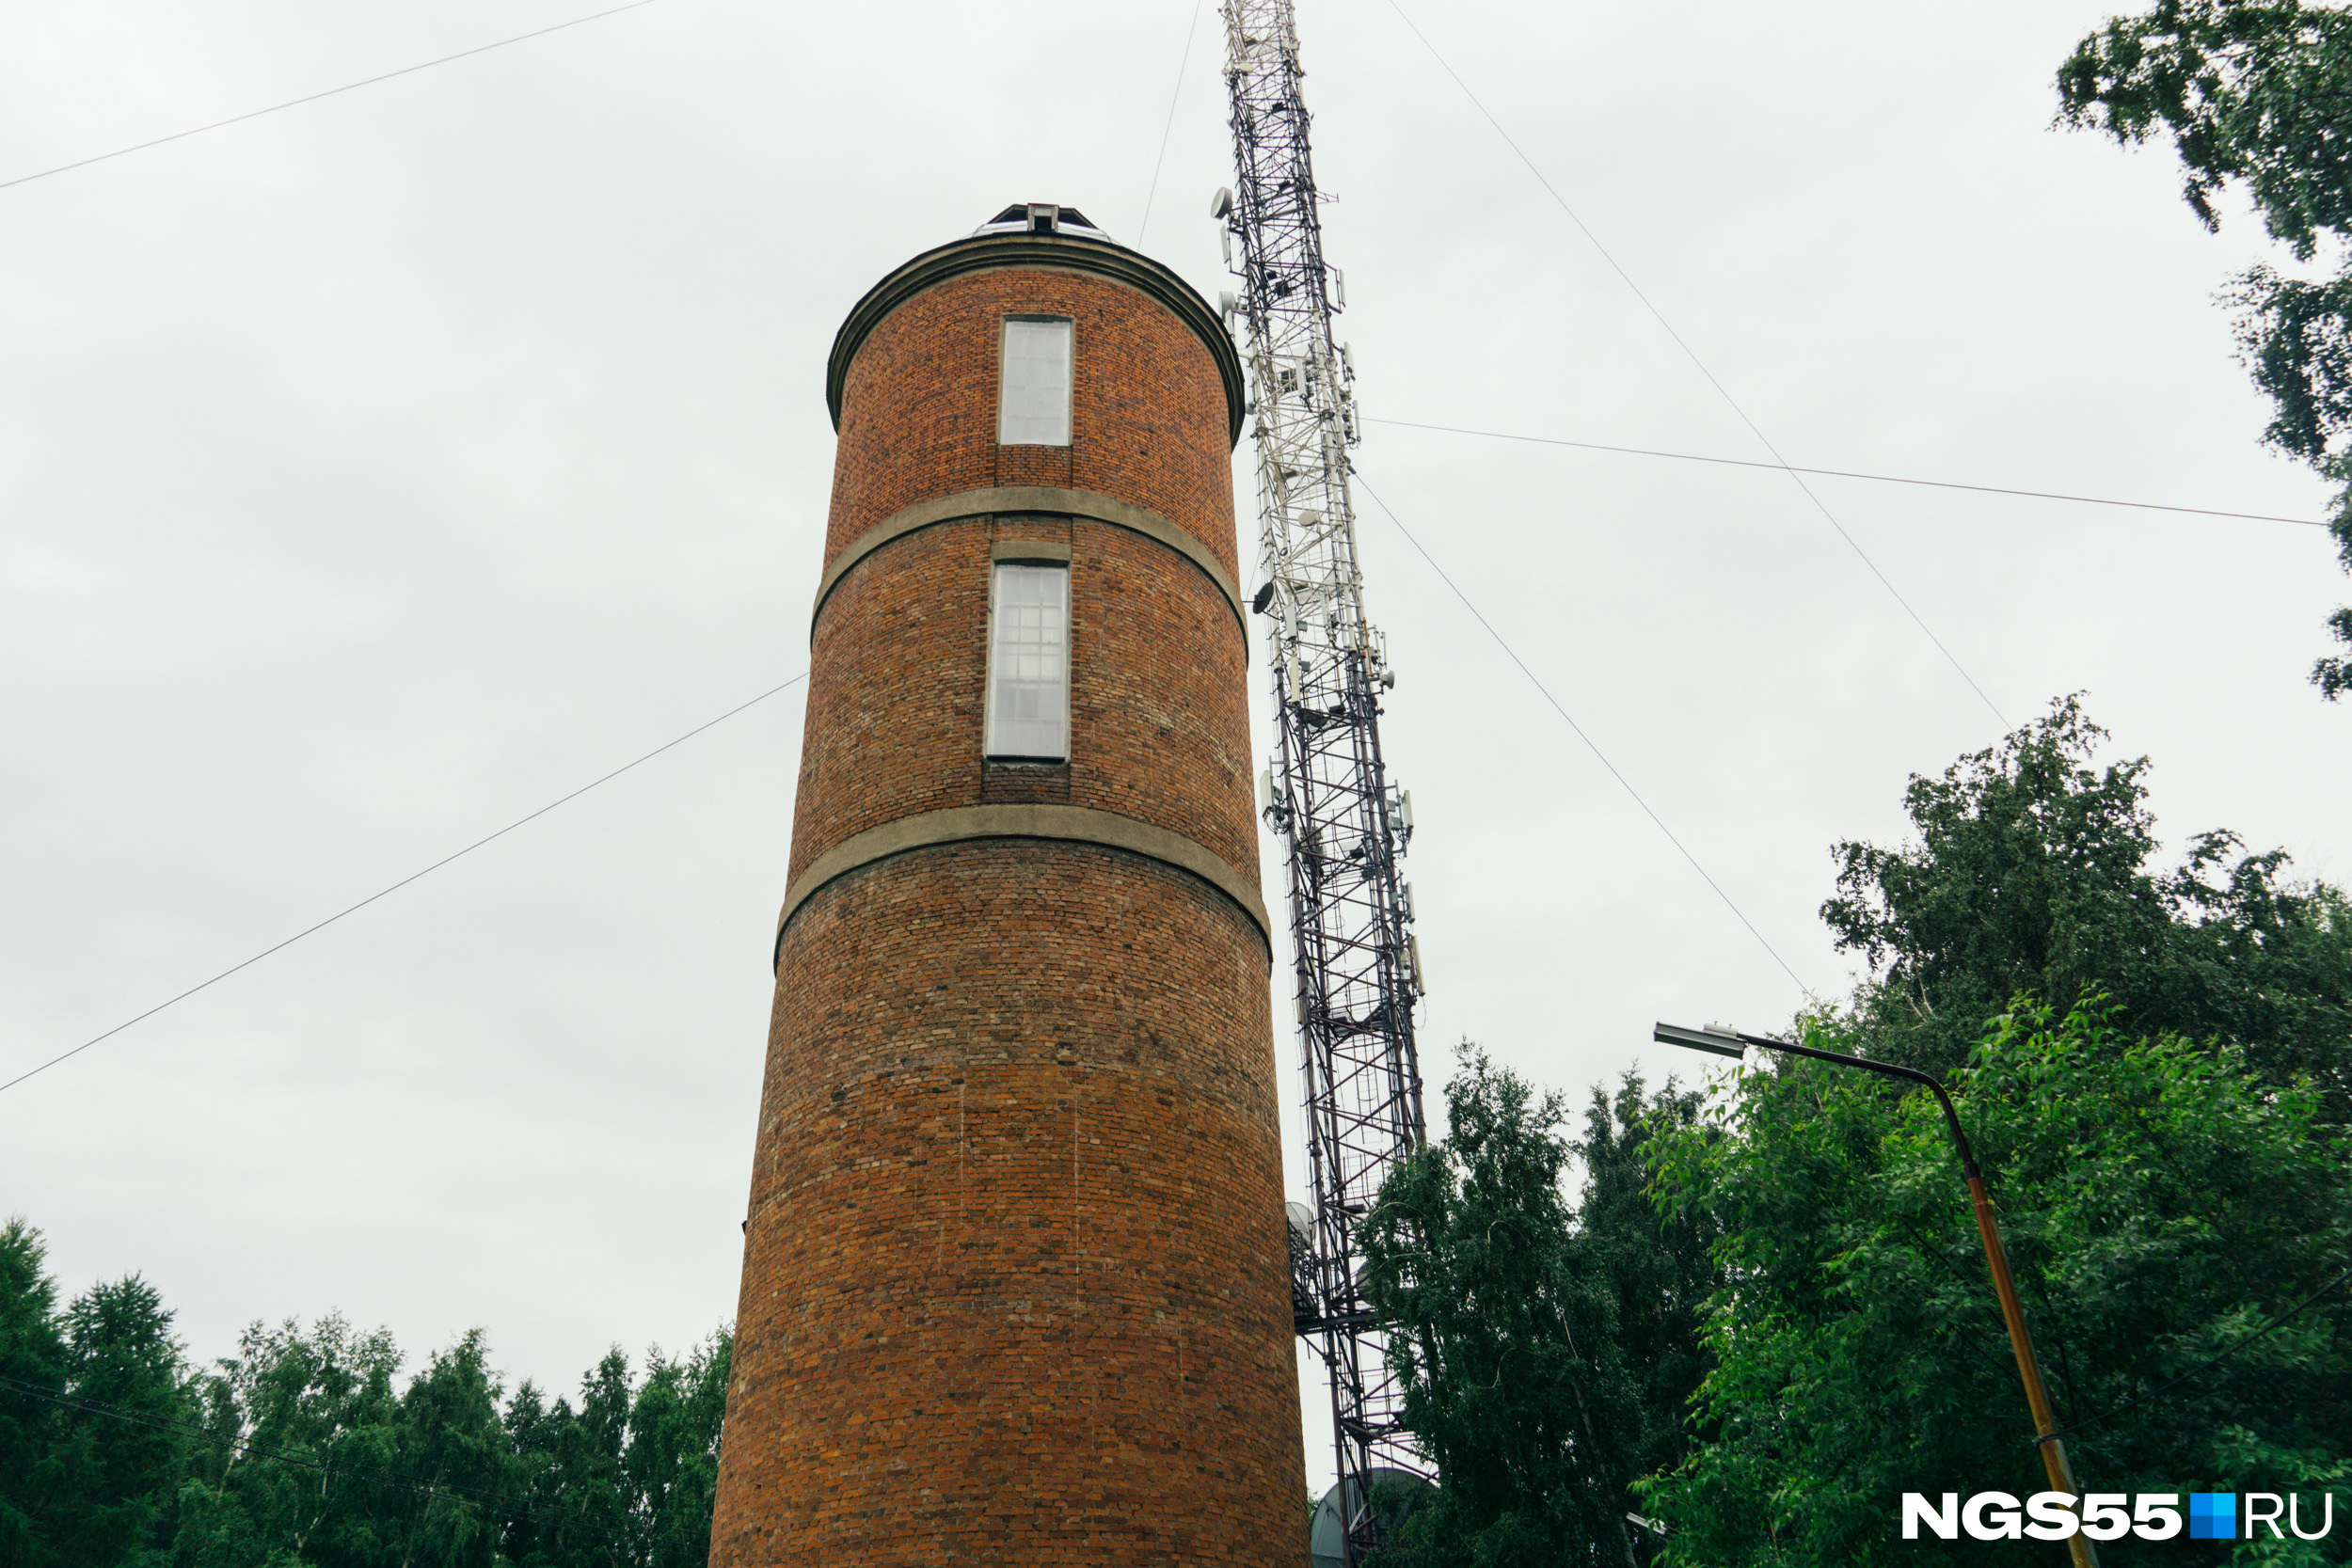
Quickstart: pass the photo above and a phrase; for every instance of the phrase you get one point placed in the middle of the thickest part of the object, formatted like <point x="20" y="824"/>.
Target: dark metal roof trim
<point x="1055" y="252"/>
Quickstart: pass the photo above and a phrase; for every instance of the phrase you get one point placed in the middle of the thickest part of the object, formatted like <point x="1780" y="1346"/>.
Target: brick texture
<point x="1146" y="416"/>
<point x="1014" y="1284"/>
<point x="1159" y="715"/>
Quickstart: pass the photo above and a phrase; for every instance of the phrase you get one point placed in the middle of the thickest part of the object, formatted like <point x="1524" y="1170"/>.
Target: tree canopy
<point x="308" y="1447"/>
<point x="1766" y="1315"/>
<point x="2256" y="94"/>
<point x="1507" y="1339"/>
<point x="77" y="1489"/>
<point x="2179" y="1233"/>
<point x="2034" y="871"/>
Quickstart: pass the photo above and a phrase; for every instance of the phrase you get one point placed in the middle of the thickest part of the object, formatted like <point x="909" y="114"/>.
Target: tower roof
<point x="1042" y="217"/>
<point x="1039" y="235"/>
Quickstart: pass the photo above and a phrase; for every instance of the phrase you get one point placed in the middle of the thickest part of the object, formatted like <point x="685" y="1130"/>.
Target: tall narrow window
<point x="1028" y="663"/>
<point x="1033" y="404"/>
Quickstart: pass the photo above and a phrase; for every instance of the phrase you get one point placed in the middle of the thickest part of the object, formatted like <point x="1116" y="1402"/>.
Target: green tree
<point x="1506" y="1338"/>
<point x="673" y="1457"/>
<point x="2163" y="1204"/>
<point x="306" y="1448"/>
<point x="1658" y="1263"/>
<point x="121" y="1360"/>
<point x="628" y="1478"/>
<point x="450" y="1437"/>
<point x="93" y="1409"/>
<point x="583" y="1509"/>
<point x="304" y="1422"/>
<point x="32" y="1366"/>
<point x="2031" y="872"/>
<point x="2257" y="94"/>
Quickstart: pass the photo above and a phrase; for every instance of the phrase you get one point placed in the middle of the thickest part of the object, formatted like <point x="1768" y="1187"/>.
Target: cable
<point x="1725" y="393"/>
<point x="1846" y="473"/>
<point x="295" y="103"/>
<point x="402" y="883"/>
<point x="1169" y="128"/>
<point x="1589" y="743"/>
<point x="2211" y="1361"/>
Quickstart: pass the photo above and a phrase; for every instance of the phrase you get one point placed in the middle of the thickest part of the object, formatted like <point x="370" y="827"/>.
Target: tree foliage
<point x="77" y="1489"/>
<point x="1778" y="1295"/>
<point x="1548" y="1352"/>
<point x="2162" y="1205"/>
<point x="2032" y="872"/>
<point x="1506" y="1338"/>
<point x="309" y="1448"/>
<point x="2257" y="94"/>
<point x="1658" y="1263"/>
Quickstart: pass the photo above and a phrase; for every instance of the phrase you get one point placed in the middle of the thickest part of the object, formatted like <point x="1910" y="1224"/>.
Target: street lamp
<point x="1720" y="1042"/>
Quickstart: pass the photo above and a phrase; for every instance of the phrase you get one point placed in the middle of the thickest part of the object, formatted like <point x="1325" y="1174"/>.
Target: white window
<point x="1028" y="662"/>
<point x="1033" y="404"/>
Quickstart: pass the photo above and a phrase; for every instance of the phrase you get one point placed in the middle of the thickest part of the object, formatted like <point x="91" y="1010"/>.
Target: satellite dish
<point x="1301" y="1217"/>
<point x="1396" y="1497"/>
<point x="1221" y="204"/>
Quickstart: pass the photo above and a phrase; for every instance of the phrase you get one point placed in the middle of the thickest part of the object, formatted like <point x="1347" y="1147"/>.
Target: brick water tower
<point x="1015" y="1285"/>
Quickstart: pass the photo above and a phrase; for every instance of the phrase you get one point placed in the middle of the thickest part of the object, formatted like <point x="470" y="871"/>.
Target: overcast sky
<point x="377" y="471"/>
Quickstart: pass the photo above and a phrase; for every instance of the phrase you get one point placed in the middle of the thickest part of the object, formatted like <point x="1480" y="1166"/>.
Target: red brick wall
<point x="1147" y="421"/>
<point x="1159" y="718"/>
<point x="1014" y="1284"/>
<point x="1015" y="1289"/>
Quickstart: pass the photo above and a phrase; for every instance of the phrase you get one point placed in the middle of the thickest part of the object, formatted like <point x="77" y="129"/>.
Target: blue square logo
<point x="2213" y="1517"/>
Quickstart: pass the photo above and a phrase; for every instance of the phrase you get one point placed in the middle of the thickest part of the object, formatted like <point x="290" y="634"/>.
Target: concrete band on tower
<point x="1015" y="1280"/>
<point x="962" y="824"/>
<point x="1039" y="498"/>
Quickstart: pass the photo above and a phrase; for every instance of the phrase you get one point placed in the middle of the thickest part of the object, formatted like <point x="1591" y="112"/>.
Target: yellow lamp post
<point x="1724" y="1042"/>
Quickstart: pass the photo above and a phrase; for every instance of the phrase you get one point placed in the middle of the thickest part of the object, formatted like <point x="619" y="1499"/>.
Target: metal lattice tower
<point x="1357" y="966"/>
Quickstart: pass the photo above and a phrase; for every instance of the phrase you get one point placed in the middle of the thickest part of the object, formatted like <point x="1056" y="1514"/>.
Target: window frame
<point x="1045" y="558"/>
<point x="1070" y="376"/>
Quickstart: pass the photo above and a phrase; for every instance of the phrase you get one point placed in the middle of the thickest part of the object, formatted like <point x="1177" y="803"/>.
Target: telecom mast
<point x="1326" y="793"/>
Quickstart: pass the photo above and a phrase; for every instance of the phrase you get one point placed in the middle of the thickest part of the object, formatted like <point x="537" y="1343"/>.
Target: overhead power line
<point x="1848" y="473"/>
<point x="1589" y="744"/>
<point x="402" y="883"/>
<point x="313" y="98"/>
<point x="1779" y="461"/>
<point x="1169" y="129"/>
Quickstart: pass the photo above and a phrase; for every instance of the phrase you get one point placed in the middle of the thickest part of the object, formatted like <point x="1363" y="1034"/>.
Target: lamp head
<point x="1714" y="1040"/>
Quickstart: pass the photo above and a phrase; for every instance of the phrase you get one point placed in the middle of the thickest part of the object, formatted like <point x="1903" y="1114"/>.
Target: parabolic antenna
<point x="1396" y="1497"/>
